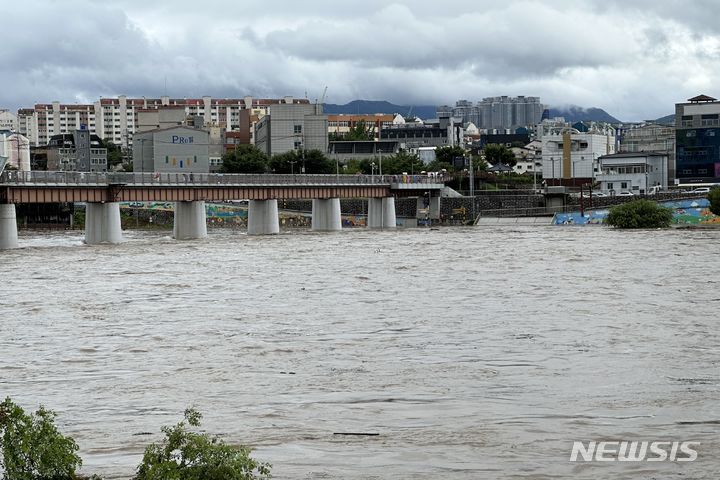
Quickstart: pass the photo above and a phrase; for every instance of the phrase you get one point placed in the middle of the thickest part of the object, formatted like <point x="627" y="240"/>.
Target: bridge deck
<point x="52" y="187"/>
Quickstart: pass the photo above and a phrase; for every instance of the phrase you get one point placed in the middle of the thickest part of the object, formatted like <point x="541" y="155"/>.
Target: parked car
<point x="599" y="194"/>
<point x="625" y="194"/>
<point x="701" y="190"/>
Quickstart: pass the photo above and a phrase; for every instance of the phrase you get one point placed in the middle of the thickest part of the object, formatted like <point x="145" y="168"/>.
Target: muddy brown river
<point x="472" y="353"/>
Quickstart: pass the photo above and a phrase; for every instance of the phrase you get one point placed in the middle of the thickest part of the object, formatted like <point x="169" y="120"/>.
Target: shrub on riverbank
<point x="714" y="198"/>
<point x="31" y="448"/>
<point x="186" y="455"/>
<point x="640" y="214"/>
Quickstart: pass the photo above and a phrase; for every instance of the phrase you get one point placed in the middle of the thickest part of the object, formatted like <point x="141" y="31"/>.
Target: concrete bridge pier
<point x="326" y="215"/>
<point x="190" y="220"/>
<point x="263" y="217"/>
<point x="102" y="223"/>
<point x="381" y="212"/>
<point x="8" y="226"/>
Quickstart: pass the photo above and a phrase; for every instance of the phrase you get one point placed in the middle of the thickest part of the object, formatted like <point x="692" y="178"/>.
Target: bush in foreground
<point x="31" y="448"/>
<point x="714" y="197"/>
<point x="640" y="214"/>
<point x="185" y="455"/>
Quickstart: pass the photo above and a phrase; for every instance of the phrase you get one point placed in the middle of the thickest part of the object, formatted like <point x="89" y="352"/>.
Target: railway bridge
<point x="103" y="192"/>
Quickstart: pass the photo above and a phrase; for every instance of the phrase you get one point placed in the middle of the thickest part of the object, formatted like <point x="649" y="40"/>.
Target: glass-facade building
<point x="697" y="135"/>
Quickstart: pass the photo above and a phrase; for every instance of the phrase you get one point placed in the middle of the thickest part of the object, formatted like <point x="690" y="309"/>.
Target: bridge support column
<point x="326" y="215"/>
<point x="8" y="226"/>
<point x="190" y="221"/>
<point x="381" y="212"/>
<point x="102" y="223"/>
<point x="263" y="217"/>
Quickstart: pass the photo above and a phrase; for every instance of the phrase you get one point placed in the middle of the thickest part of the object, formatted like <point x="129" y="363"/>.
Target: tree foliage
<point x="714" y="198"/>
<point x="187" y="455"/>
<point x="360" y="131"/>
<point x="114" y="153"/>
<point x="401" y="162"/>
<point x="496" y="153"/>
<point x="447" y="155"/>
<point x="245" y="159"/>
<point x="314" y="162"/>
<point x="31" y="448"/>
<point x="640" y="214"/>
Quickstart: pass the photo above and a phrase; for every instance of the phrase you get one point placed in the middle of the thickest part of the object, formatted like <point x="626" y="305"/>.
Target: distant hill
<point x="380" y="106"/>
<point x="666" y="120"/>
<point x="573" y="113"/>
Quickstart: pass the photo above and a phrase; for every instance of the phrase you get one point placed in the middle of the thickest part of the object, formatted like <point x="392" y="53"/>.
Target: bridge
<point x="103" y="192"/>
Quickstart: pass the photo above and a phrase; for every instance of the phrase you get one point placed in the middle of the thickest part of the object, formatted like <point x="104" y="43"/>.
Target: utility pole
<point x="472" y="190"/>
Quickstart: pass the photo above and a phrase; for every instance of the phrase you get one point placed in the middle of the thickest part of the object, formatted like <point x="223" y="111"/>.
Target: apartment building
<point x="117" y="118"/>
<point x="497" y="113"/>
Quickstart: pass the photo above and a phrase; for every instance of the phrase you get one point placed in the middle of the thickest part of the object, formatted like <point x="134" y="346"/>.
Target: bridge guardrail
<point x="202" y="179"/>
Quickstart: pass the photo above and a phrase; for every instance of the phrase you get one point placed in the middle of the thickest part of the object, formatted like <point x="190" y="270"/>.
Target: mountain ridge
<point x="571" y="113"/>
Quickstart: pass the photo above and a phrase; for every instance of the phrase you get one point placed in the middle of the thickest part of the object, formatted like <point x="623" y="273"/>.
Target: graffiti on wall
<point x="686" y="212"/>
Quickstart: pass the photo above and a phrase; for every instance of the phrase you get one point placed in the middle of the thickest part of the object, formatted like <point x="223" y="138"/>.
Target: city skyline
<point x="635" y="62"/>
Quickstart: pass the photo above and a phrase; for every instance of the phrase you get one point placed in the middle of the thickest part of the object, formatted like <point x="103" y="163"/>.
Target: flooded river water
<point x="472" y="352"/>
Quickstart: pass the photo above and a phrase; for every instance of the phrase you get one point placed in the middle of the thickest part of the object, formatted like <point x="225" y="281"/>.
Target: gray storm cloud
<point x="635" y="61"/>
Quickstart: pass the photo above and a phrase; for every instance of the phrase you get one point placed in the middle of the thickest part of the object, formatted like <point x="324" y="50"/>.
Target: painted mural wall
<point x="686" y="212"/>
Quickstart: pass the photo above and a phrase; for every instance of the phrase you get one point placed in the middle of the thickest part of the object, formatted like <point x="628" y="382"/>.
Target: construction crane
<point x="322" y="99"/>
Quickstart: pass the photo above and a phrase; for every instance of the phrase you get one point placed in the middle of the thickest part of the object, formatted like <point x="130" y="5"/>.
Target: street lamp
<point x="372" y="172"/>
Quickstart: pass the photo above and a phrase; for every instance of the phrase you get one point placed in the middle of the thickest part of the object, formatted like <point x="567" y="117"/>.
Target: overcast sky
<point x="633" y="61"/>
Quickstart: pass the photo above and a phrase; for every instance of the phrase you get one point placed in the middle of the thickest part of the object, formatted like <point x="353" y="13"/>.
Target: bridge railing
<point x="189" y="179"/>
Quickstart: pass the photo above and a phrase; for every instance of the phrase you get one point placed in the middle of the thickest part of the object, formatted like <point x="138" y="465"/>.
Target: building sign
<point x="180" y="139"/>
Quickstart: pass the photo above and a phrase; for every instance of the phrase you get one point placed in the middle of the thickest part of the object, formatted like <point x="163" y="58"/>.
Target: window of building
<point x="709" y="133"/>
<point x="623" y="185"/>
<point x="298" y="145"/>
<point x="687" y="171"/>
<point x="690" y="133"/>
<point x="610" y="186"/>
<point x="702" y="171"/>
<point x="297" y="129"/>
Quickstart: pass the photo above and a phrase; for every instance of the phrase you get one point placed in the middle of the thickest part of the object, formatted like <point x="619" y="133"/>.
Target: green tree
<point x="360" y="131"/>
<point x="288" y="162"/>
<point x="640" y="214"/>
<point x="114" y="153"/>
<point x="436" y="166"/>
<point x="186" y="455"/>
<point x="31" y="448"/>
<point x="315" y="162"/>
<point x="479" y="163"/>
<point x="245" y="159"/>
<point x="448" y="154"/>
<point x="496" y="153"/>
<point x="401" y="162"/>
<point x="354" y="166"/>
<point x="714" y="197"/>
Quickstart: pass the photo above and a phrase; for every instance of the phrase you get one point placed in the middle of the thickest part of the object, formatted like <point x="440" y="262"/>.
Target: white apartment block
<point x="117" y="118"/>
